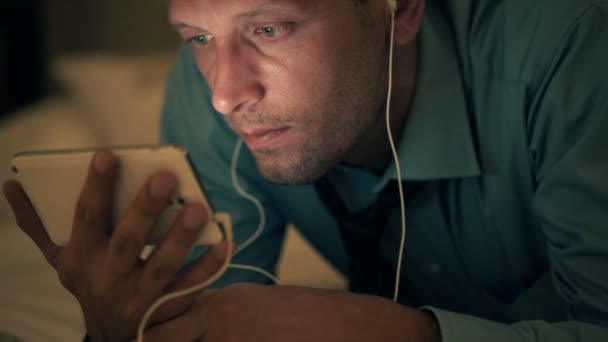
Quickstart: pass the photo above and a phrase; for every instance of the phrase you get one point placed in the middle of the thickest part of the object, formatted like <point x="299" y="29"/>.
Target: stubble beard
<point x="324" y="148"/>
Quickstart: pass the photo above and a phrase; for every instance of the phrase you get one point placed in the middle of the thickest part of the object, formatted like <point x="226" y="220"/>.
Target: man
<point x="501" y="111"/>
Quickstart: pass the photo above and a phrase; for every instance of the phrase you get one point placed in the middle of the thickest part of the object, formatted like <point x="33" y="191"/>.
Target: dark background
<point x="23" y="58"/>
<point x="34" y="32"/>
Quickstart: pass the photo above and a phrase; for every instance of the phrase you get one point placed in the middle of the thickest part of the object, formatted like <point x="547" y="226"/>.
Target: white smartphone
<point x="53" y="181"/>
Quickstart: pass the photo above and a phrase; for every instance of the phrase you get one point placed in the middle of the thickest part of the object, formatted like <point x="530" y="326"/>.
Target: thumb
<point x="28" y="220"/>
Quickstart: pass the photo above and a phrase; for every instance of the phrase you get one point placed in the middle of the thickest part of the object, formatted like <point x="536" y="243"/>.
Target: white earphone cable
<point x="261" y="211"/>
<point x="253" y="199"/>
<point x="396" y="158"/>
<point x="188" y="291"/>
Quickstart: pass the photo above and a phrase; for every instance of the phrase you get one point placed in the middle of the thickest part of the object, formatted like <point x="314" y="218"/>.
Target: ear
<point x="408" y="19"/>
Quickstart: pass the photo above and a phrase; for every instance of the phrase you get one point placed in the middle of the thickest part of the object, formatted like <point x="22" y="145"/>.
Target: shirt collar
<point x="437" y="141"/>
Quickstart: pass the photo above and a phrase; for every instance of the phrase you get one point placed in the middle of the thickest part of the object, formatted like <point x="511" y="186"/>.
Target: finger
<point x="29" y="222"/>
<point x="129" y="238"/>
<point x="207" y="266"/>
<point x="92" y="219"/>
<point x="168" y="257"/>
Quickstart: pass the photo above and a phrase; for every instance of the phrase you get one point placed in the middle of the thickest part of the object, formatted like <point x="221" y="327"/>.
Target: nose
<point x="235" y="80"/>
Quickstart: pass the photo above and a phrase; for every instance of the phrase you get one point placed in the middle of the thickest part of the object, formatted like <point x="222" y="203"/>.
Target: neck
<point x="374" y="151"/>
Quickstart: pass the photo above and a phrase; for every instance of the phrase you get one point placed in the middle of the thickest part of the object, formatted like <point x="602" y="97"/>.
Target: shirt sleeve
<point x="568" y="139"/>
<point x="457" y="327"/>
<point x="189" y="120"/>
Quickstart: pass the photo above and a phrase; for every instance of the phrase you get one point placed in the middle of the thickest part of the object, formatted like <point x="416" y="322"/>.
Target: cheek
<point x="305" y="82"/>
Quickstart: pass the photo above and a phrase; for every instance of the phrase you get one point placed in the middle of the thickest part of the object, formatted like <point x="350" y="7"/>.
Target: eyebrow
<point x="180" y="25"/>
<point x="258" y="12"/>
<point x="272" y="8"/>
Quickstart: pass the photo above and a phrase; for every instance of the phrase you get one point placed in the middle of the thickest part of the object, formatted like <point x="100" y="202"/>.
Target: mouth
<point x="264" y="137"/>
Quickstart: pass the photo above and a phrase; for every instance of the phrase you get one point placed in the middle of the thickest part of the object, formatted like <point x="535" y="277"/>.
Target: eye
<point x="273" y="31"/>
<point x="268" y="31"/>
<point x="201" y="39"/>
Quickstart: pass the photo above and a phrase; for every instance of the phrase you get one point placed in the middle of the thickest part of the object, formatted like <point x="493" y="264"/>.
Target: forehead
<point x="193" y="9"/>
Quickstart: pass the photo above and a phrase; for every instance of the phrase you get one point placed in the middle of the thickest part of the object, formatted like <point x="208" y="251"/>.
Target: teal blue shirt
<point x="508" y="228"/>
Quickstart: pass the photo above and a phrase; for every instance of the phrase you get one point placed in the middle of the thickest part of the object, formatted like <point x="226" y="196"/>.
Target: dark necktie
<point x="361" y="233"/>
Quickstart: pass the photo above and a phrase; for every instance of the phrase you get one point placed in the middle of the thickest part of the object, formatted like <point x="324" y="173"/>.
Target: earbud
<point x="392" y="4"/>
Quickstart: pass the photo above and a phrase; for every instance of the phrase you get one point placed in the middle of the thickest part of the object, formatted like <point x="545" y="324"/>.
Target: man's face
<point x="300" y="81"/>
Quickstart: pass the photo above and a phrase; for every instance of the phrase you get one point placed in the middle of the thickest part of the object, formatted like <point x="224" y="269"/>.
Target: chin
<point x="292" y="173"/>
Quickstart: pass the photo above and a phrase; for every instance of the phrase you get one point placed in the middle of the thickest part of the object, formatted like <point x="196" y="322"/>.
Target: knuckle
<point x="147" y="206"/>
<point x="142" y="216"/>
<point x="125" y="244"/>
<point x="160" y="273"/>
<point x="184" y="238"/>
<point x="146" y="210"/>
<point x="85" y="211"/>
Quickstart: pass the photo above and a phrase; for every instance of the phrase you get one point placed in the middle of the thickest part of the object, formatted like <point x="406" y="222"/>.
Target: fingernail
<point x="194" y="218"/>
<point x="162" y="186"/>
<point x="103" y="161"/>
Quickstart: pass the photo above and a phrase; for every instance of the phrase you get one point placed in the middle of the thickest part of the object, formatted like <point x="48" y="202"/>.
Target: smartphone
<point x="53" y="181"/>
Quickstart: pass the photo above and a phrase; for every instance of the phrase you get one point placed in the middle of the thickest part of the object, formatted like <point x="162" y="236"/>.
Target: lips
<point x="263" y="137"/>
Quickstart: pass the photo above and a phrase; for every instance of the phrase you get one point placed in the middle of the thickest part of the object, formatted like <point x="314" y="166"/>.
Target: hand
<point x="248" y="312"/>
<point x="101" y="266"/>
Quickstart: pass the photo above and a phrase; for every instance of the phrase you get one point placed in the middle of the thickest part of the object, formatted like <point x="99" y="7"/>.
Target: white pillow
<point x="120" y="96"/>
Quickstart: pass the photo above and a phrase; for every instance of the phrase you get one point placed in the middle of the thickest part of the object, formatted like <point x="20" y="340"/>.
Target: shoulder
<point x="187" y="101"/>
<point x="516" y="39"/>
<point x="537" y="35"/>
